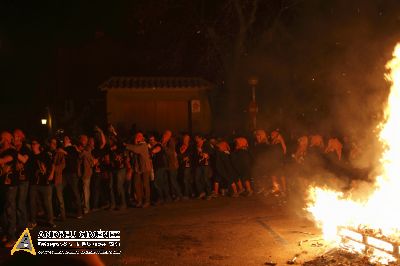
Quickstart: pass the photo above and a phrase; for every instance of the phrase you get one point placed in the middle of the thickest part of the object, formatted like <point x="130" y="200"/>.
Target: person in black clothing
<point x="98" y="155"/>
<point x="85" y="170"/>
<point x="260" y="154"/>
<point x="107" y="178"/>
<point x="129" y="188"/>
<point x="23" y="180"/>
<point x="58" y="159"/>
<point x="96" y="179"/>
<point x="225" y="174"/>
<point x="299" y="157"/>
<point x="242" y="161"/>
<point x="40" y="184"/>
<point x="142" y="169"/>
<point x="277" y="163"/>
<point x="119" y="161"/>
<point x="185" y="156"/>
<point x="160" y="168"/>
<point x="9" y="182"/>
<point x="203" y="170"/>
<point x="169" y="146"/>
<point x="316" y="144"/>
<point x="333" y="157"/>
<point x="214" y="178"/>
<point x="71" y="174"/>
<point x="315" y="153"/>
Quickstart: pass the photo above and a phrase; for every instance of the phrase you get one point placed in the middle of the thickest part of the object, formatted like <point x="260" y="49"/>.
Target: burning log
<point x="370" y="243"/>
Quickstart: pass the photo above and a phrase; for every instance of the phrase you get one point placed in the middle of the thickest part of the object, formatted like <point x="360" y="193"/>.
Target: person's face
<point x="53" y="144"/>
<point x="213" y="141"/>
<point x="152" y="140"/>
<point x="67" y="140"/>
<point x="91" y="142"/>
<point x="199" y="141"/>
<point x="274" y="134"/>
<point x="5" y="138"/>
<point x="223" y="146"/>
<point x="83" y="140"/>
<point x="259" y="138"/>
<point x="139" y="138"/>
<point x="18" y="137"/>
<point x="186" y="139"/>
<point x="35" y="146"/>
<point x="167" y="135"/>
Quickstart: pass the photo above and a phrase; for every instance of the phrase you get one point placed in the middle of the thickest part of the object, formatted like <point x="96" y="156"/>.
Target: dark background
<point x="320" y="63"/>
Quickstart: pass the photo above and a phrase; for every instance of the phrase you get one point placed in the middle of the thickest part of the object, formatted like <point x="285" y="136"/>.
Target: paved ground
<point x="223" y="231"/>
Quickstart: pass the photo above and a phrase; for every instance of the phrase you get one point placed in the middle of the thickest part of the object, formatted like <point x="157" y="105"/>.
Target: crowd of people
<point x="105" y="171"/>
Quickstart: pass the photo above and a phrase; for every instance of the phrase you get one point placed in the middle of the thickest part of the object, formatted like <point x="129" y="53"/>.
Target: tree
<point x="232" y="29"/>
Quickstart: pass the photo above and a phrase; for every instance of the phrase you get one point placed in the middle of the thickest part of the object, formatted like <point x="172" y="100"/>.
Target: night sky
<point x="315" y="59"/>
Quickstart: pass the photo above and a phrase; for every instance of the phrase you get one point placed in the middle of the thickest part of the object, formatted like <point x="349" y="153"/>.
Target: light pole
<point x="47" y="122"/>
<point x="50" y="120"/>
<point x="253" y="107"/>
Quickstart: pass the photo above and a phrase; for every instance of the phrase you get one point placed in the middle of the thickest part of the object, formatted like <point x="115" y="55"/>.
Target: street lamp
<point x="253" y="81"/>
<point x="44" y="121"/>
<point x="253" y="107"/>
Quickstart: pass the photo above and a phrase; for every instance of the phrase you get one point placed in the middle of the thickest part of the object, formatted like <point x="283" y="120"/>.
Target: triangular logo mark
<point x="24" y="243"/>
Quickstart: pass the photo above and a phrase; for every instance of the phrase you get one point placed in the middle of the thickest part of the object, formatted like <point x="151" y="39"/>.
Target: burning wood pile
<point x="340" y="257"/>
<point x="370" y="243"/>
<point x="368" y="226"/>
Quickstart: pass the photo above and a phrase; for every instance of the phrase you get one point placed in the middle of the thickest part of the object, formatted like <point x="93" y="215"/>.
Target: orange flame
<point x="380" y="211"/>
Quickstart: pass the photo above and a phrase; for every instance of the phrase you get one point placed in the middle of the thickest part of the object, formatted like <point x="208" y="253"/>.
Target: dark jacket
<point x="71" y="160"/>
<point x="199" y="159"/>
<point x="223" y="165"/>
<point x="23" y="168"/>
<point x="241" y="160"/>
<point x="8" y="174"/>
<point x="41" y="169"/>
<point x="58" y="160"/>
<point x="170" y="151"/>
<point x="160" y="158"/>
<point x="260" y="154"/>
<point x="186" y="158"/>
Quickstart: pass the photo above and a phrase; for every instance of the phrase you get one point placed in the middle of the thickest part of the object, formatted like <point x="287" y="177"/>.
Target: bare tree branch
<point x="239" y="12"/>
<point x="252" y="16"/>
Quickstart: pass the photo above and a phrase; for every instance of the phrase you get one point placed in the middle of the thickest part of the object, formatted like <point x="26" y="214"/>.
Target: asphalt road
<point x="223" y="231"/>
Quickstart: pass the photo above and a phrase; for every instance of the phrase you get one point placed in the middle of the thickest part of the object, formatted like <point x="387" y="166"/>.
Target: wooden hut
<point x="158" y="103"/>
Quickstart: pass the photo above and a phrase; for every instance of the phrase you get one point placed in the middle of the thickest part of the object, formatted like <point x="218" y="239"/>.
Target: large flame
<point x="381" y="211"/>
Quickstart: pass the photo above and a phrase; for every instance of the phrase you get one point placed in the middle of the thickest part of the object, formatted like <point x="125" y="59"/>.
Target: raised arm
<point x="6" y="159"/>
<point x="136" y="148"/>
<point x="23" y="158"/>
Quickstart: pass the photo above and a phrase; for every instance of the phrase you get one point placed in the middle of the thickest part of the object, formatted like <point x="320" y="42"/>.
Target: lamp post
<point x="47" y="122"/>
<point x="253" y="107"/>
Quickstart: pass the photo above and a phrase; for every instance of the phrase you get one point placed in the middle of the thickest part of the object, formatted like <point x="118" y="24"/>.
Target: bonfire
<point x="371" y="225"/>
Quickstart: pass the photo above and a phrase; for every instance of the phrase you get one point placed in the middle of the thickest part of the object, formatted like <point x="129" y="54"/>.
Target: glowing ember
<point x="380" y="212"/>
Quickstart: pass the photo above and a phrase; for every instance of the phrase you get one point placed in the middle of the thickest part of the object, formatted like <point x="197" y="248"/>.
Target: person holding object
<point x="142" y="169"/>
<point x="8" y="179"/>
<point x="169" y="146"/>
<point x="41" y="179"/>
